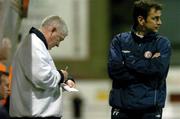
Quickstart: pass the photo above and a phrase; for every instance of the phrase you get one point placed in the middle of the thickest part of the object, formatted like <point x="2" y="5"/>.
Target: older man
<point x="36" y="83"/>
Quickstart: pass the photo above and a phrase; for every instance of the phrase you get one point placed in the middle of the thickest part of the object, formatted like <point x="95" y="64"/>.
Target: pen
<point x="66" y="68"/>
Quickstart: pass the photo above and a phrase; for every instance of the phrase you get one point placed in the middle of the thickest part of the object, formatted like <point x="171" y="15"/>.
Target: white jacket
<point x="35" y="89"/>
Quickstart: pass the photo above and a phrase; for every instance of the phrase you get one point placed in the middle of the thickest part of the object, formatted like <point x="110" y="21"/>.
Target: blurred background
<point x="92" y="24"/>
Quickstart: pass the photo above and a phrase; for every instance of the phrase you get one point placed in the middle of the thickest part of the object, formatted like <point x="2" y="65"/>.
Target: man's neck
<point x="139" y="34"/>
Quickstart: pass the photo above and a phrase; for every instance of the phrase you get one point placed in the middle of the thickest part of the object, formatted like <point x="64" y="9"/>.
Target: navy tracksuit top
<point x="138" y="80"/>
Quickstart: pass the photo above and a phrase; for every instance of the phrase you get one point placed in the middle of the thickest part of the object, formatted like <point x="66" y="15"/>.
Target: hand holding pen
<point x="65" y="73"/>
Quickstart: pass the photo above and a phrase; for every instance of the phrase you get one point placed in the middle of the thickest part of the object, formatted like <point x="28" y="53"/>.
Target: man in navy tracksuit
<point x="138" y="65"/>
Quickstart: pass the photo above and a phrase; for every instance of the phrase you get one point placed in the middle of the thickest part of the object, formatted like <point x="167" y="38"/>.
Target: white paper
<point x="69" y="89"/>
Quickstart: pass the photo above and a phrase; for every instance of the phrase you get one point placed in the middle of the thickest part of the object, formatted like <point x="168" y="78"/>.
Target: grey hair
<point x="56" y="21"/>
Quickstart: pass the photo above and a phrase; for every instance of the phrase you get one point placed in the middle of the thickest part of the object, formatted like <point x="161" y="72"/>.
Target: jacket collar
<point x="147" y="38"/>
<point x="40" y="35"/>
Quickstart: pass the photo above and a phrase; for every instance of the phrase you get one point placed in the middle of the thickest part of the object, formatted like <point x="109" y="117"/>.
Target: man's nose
<point x="159" y="22"/>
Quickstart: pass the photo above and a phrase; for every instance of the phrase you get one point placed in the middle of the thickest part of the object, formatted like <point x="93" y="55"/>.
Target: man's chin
<point x="155" y="31"/>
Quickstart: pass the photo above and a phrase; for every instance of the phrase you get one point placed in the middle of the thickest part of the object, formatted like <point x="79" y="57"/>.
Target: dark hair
<point x="142" y="8"/>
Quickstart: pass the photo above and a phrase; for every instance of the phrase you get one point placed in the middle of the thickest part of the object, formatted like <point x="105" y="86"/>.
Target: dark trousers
<point x="35" y="118"/>
<point x="136" y="114"/>
<point x="3" y="113"/>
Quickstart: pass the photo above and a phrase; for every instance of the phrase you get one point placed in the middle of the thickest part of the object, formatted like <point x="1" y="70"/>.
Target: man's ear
<point x="53" y="29"/>
<point x="141" y="20"/>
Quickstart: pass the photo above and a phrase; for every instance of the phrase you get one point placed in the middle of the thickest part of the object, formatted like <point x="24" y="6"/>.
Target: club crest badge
<point x="148" y="54"/>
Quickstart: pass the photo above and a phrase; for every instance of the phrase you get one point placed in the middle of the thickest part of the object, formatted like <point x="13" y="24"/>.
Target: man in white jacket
<point x="36" y="83"/>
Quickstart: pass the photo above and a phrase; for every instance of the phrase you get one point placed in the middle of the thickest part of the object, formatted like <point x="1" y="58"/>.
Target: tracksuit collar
<point x="40" y="35"/>
<point x="147" y="38"/>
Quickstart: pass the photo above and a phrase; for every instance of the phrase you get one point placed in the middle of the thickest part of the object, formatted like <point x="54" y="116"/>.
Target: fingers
<point x="65" y="73"/>
<point x="157" y="54"/>
<point x="70" y="83"/>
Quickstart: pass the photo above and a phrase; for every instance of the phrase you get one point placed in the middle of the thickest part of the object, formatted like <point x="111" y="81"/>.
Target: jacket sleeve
<point x="116" y="67"/>
<point x="152" y="66"/>
<point x="44" y="73"/>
